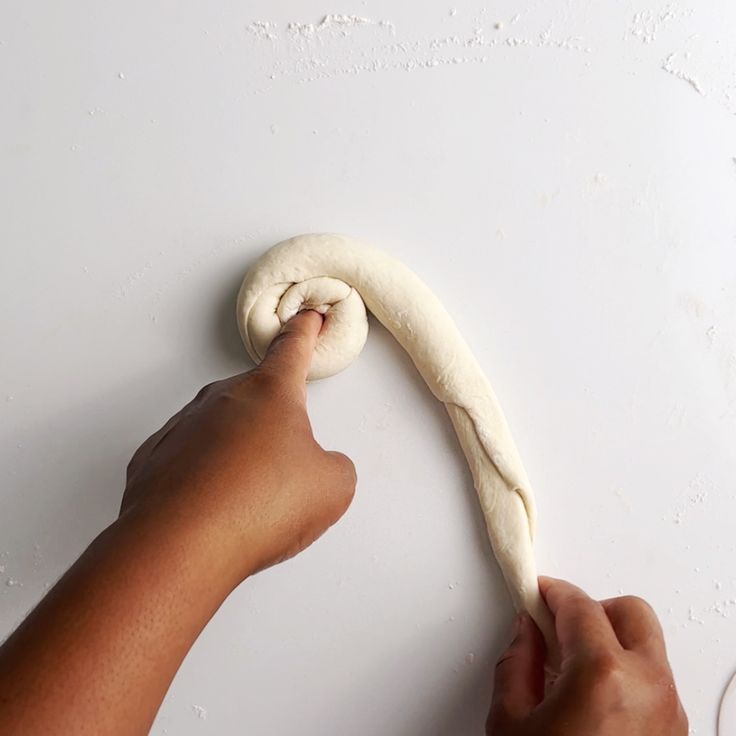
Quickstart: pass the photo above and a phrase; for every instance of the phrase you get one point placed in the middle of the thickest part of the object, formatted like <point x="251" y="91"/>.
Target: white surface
<point x="727" y="712"/>
<point x="150" y="151"/>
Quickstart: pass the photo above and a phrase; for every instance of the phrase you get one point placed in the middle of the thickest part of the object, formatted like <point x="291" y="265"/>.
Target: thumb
<point x="519" y="679"/>
<point x="290" y="353"/>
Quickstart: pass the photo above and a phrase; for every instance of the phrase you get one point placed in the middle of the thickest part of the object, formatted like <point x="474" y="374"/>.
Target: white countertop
<point x="561" y="174"/>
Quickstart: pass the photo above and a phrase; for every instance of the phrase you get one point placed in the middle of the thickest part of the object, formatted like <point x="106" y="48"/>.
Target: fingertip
<point x="558" y="593"/>
<point x="545" y="583"/>
<point x="547" y="580"/>
<point x="554" y="588"/>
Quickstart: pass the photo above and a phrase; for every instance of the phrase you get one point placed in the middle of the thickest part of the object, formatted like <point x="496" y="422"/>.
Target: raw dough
<point x="340" y="277"/>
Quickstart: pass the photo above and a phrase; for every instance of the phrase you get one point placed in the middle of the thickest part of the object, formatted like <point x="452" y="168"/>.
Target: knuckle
<point x="344" y="475"/>
<point x="664" y="700"/>
<point x="668" y="698"/>
<point x="607" y="683"/>
<point x="605" y="675"/>
<point x="603" y="664"/>
<point x="346" y="467"/>
<point x="333" y="475"/>
<point x="577" y="607"/>
<point x="636" y="604"/>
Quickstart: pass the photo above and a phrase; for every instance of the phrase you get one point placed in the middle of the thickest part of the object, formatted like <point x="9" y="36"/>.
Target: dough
<point x="340" y="277"/>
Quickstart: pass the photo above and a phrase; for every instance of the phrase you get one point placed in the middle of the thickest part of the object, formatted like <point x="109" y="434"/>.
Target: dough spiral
<point x="340" y="277"/>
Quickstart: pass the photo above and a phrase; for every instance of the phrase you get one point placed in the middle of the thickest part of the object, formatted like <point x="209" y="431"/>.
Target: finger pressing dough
<point x="340" y="277"/>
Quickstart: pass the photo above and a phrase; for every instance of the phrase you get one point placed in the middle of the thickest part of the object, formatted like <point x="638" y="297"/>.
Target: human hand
<point x="238" y="469"/>
<point x="232" y="483"/>
<point x="614" y="678"/>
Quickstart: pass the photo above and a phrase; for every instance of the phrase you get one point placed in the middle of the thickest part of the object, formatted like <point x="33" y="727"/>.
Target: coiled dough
<point x="340" y="277"/>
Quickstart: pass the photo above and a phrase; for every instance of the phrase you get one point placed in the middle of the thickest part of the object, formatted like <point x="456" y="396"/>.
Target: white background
<point x="565" y="182"/>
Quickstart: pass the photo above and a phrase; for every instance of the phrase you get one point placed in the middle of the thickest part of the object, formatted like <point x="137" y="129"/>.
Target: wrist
<point x="183" y="549"/>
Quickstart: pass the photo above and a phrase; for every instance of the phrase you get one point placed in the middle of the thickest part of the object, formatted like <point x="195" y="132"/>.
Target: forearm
<point x="98" y="654"/>
<point x="232" y="483"/>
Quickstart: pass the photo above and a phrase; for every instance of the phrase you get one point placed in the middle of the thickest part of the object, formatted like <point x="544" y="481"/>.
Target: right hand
<point x="614" y="680"/>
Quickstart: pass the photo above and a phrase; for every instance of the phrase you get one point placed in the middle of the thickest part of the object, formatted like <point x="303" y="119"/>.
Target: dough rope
<point x="340" y="277"/>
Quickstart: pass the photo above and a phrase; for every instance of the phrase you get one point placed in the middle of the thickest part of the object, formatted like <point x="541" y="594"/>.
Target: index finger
<point x="290" y="353"/>
<point x="581" y="623"/>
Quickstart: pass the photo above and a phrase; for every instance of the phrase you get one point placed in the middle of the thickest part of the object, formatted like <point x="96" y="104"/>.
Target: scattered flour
<point x="200" y="712"/>
<point x="705" y="62"/>
<point x="263" y="30"/>
<point x="699" y="488"/>
<point x="334" y="21"/>
<point x="646" y="23"/>
<point x="668" y="66"/>
<point x="340" y="45"/>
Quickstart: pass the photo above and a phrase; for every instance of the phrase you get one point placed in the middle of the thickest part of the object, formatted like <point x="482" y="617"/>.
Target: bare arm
<point x="233" y="483"/>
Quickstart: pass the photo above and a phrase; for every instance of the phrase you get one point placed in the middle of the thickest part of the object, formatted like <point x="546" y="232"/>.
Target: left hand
<point x="238" y="468"/>
<point x="614" y="679"/>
